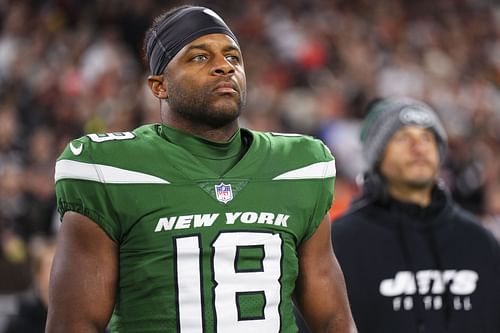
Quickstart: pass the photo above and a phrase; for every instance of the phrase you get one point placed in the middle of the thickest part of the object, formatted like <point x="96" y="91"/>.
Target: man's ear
<point x="157" y="86"/>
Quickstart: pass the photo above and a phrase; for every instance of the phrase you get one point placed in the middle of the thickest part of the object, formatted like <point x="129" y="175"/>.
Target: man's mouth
<point x="419" y="162"/>
<point x="225" y="88"/>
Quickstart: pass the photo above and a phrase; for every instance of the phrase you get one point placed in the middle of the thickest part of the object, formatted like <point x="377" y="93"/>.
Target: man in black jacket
<point x="413" y="260"/>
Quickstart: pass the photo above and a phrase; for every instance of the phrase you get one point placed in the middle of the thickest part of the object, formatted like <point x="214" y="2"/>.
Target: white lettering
<point x="464" y="282"/>
<point x="208" y="220"/>
<point x="408" y="303"/>
<point x="267" y="218"/>
<point x="428" y="302"/>
<point x="439" y="281"/>
<point x="281" y="220"/>
<point x="424" y="281"/>
<point x="438" y="285"/>
<point x="205" y="220"/>
<point x="467" y="304"/>
<point x="402" y="302"/>
<point x="184" y="222"/>
<point x="249" y="217"/>
<point x="438" y="303"/>
<point x="165" y="223"/>
<point x="231" y="217"/>
<point x="403" y="283"/>
<point x="111" y="136"/>
<point x="434" y="303"/>
<point x="396" y="303"/>
<point x="448" y="275"/>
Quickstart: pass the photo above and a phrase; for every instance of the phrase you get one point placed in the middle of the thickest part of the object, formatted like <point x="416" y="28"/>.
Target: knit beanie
<point x="386" y="116"/>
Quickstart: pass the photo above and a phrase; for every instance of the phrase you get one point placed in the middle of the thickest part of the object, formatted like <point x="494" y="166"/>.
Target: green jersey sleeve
<point x="81" y="180"/>
<point x="325" y="192"/>
<point x="312" y="169"/>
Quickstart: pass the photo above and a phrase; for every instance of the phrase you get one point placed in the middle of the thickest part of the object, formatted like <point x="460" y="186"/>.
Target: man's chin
<point x="221" y="117"/>
<point x="420" y="177"/>
<point x="226" y="109"/>
<point x="226" y="102"/>
<point x="421" y="182"/>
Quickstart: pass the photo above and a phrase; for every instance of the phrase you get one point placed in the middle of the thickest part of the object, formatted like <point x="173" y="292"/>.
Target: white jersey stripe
<point x="68" y="169"/>
<point x="314" y="171"/>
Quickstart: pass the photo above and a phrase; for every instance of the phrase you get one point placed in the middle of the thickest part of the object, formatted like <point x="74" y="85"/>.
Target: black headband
<point x="180" y="29"/>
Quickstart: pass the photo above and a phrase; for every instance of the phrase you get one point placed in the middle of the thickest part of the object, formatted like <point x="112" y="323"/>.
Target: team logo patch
<point x="224" y="193"/>
<point x="76" y="150"/>
<point x="417" y="115"/>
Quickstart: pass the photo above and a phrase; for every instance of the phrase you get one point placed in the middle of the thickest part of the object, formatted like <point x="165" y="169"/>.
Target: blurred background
<point x="71" y="67"/>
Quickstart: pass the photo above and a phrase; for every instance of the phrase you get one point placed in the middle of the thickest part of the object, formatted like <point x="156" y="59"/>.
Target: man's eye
<point x="403" y="139"/>
<point x="233" y="58"/>
<point x="428" y="138"/>
<point x="199" y="58"/>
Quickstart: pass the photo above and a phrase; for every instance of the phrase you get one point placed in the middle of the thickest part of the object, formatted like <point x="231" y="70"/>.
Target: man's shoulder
<point x="290" y="140"/>
<point x="364" y="220"/>
<point x="293" y="156"/>
<point x="470" y="225"/>
<point x="295" y="146"/>
<point x="113" y="147"/>
<point x="350" y="221"/>
<point x="117" y="157"/>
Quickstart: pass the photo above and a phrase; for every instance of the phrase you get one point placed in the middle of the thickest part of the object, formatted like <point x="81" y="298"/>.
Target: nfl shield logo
<point x="223" y="192"/>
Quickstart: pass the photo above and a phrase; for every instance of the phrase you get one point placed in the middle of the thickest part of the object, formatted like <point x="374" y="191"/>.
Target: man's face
<point x="411" y="158"/>
<point x="206" y="81"/>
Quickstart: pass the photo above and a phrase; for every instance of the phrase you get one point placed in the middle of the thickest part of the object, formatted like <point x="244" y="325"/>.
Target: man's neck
<point x="418" y="196"/>
<point x="205" y="131"/>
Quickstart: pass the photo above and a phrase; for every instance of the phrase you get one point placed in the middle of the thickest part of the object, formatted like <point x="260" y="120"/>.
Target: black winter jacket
<point x="31" y="316"/>
<point x="411" y="270"/>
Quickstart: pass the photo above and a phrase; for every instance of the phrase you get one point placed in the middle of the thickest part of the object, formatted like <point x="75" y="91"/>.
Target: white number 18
<point x="230" y="282"/>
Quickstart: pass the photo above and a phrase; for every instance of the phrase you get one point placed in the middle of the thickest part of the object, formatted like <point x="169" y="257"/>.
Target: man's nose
<point x="420" y="145"/>
<point x="222" y="67"/>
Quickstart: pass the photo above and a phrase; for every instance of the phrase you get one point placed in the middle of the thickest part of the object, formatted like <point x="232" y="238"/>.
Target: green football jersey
<point x="199" y="252"/>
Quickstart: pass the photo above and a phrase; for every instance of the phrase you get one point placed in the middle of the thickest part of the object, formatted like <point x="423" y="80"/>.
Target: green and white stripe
<point x="68" y="169"/>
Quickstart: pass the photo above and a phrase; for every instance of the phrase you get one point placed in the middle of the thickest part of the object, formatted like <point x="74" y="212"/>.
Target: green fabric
<point x="161" y="205"/>
<point x="217" y="156"/>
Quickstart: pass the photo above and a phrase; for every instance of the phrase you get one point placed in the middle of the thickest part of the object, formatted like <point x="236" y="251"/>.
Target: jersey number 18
<point x="245" y="300"/>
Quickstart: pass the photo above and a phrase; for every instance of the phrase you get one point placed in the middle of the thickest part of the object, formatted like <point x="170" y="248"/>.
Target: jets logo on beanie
<point x="387" y="115"/>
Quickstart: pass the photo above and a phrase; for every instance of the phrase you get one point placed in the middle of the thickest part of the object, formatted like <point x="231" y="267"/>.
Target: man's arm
<point x="83" y="277"/>
<point x="321" y="293"/>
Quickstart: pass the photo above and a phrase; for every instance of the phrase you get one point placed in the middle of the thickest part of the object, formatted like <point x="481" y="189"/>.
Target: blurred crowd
<point x="71" y="67"/>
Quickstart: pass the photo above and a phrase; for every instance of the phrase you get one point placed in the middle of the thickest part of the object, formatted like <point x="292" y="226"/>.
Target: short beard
<point x="421" y="184"/>
<point x="198" y="108"/>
